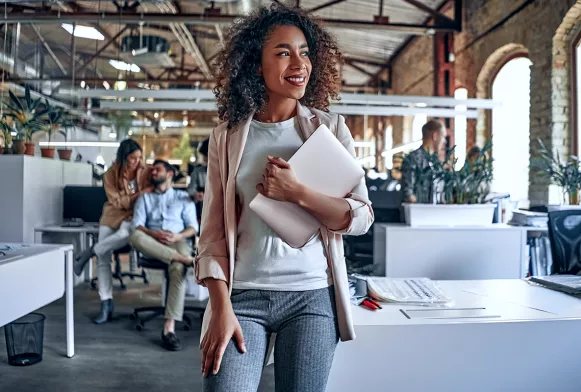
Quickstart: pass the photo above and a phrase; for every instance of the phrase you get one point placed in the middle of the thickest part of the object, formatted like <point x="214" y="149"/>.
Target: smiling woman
<point x="263" y="52"/>
<point x="276" y="74"/>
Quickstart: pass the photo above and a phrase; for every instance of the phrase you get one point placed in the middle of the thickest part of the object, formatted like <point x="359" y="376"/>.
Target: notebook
<point x="321" y="163"/>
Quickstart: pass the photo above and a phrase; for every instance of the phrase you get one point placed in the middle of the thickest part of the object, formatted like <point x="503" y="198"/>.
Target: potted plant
<point x="26" y="112"/>
<point x="449" y="196"/>
<point x="65" y="153"/>
<point x="5" y="130"/>
<point x="566" y="175"/>
<point x="51" y="125"/>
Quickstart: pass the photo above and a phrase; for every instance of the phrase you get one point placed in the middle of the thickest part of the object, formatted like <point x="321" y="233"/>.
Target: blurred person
<point x="164" y="221"/>
<point x="124" y="182"/>
<point x="433" y="142"/>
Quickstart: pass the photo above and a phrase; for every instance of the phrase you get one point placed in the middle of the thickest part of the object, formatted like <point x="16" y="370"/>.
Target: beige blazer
<point x="217" y="244"/>
<point x="119" y="205"/>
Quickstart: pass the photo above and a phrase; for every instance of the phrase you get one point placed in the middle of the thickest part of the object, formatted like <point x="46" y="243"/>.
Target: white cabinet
<point x="31" y="193"/>
<point x="450" y="253"/>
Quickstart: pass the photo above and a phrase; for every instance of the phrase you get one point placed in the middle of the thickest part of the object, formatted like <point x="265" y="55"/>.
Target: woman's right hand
<point x="223" y="327"/>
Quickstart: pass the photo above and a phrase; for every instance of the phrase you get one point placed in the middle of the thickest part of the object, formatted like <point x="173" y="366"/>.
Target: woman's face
<point x="133" y="160"/>
<point x="285" y="64"/>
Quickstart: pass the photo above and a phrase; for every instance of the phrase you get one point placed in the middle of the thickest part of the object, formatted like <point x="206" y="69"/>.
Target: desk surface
<point x="14" y="252"/>
<point x="503" y="300"/>
<point x="91" y="228"/>
<point x="492" y="226"/>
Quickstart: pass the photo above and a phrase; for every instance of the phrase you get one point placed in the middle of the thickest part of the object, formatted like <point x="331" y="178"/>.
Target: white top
<point x="263" y="260"/>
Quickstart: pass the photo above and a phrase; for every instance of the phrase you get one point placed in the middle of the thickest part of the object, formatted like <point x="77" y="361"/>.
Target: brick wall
<point x="544" y="29"/>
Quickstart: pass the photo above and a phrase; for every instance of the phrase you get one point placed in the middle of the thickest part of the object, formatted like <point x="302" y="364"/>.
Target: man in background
<point x="433" y="142"/>
<point x="164" y="221"/>
<point x="198" y="178"/>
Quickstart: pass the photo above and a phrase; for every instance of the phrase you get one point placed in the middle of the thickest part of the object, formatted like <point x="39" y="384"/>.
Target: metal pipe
<point x="73" y="53"/>
<point x="16" y="47"/>
<point x="200" y="19"/>
<point x="49" y="49"/>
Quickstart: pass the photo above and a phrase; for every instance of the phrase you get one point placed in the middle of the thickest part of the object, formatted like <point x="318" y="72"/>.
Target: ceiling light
<point x="185" y="122"/>
<point x="123" y="66"/>
<point x="83" y="84"/>
<point x="84" y="32"/>
<point x="155" y="115"/>
<point x="106" y="85"/>
<point x="130" y="133"/>
<point x="132" y="99"/>
<point x="112" y="135"/>
<point x="150" y="99"/>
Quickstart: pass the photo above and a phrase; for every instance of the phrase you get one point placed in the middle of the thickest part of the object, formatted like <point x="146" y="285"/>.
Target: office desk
<point x="86" y="234"/>
<point x="34" y="276"/>
<point x="450" y="253"/>
<point x="528" y="342"/>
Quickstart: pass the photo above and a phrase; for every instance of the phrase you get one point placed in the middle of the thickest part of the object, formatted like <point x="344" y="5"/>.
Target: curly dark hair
<point x="240" y="89"/>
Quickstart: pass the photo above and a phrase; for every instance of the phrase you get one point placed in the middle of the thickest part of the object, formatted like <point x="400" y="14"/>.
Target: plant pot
<point x="455" y="215"/>
<point x="19" y="147"/>
<point x="65" y="154"/>
<point x="47" y="152"/>
<point x="29" y="149"/>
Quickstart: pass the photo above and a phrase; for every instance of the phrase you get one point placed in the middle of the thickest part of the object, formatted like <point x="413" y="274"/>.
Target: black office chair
<point x="155" y="311"/>
<point x="118" y="274"/>
<point x="565" y="238"/>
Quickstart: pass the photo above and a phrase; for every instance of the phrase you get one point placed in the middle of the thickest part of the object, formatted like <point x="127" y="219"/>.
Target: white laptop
<point x="323" y="164"/>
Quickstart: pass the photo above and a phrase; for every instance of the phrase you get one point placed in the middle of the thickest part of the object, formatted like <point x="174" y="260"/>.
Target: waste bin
<point x="24" y="340"/>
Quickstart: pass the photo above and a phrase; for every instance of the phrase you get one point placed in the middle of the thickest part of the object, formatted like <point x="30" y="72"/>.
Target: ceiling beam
<point x="364" y="61"/>
<point x="438" y="16"/>
<point x="203" y="19"/>
<point x="178" y="81"/>
<point x="359" y="69"/>
<point x="325" y="5"/>
<point x="102" y="49"/>
<point x="49" y="49"/>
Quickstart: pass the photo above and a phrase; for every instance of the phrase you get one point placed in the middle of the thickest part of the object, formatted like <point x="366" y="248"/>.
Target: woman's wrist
<point x="219" y="296"/>
<point x="298" y="194"/>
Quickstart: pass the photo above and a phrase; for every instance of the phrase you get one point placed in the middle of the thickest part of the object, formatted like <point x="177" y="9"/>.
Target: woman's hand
<point x="222" y="328"/>
<point x="279" y="181"/>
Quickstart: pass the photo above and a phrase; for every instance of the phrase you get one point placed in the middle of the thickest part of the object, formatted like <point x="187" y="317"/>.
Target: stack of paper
<point x="528" y="218"/>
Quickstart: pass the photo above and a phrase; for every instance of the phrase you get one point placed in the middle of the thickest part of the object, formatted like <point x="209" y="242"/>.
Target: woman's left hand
<point x="279" y="181"/>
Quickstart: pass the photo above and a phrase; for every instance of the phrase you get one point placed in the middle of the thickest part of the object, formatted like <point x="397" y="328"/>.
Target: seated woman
<point x="124" y="182"/>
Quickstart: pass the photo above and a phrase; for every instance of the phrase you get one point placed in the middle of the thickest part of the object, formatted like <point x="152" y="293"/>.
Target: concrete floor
<point x="110" y="357"/>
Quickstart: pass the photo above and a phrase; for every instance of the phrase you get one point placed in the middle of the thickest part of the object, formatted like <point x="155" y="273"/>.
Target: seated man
<point x="164" y="220"/>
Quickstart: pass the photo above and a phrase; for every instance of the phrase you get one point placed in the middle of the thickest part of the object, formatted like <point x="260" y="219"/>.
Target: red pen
<point x="369" y="305"/>
<point x="374" y="302"/>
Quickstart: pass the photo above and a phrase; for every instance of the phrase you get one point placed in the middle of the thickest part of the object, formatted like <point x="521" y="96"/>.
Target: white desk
<point x="531" y="345"/>
<point x="34" y="276"/>
<point x="450" y="253"/>
<point x="86" y="233"/>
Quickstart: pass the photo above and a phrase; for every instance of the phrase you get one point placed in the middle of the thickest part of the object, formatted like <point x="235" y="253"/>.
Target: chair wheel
<point x="187" y="327"/>
<point x="145" y="281"/>
<point x="139" y="327"/>
<point x="132" y="277"/>
<point x="93" y="285"/>
<point x="123" y="287"/>
<point x="133" y="316"/>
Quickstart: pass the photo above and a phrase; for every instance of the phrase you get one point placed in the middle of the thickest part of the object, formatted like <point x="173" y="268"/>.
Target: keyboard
<point x="406" y="291"/>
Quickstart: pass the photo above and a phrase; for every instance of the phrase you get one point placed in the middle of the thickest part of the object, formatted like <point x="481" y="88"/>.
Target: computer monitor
<point x="387" y="206"/>
<point x="83" y="202"/>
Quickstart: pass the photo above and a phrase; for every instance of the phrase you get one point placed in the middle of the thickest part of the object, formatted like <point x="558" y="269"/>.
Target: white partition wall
<point x="450" y="253"/>
<point x="31" y="193"/>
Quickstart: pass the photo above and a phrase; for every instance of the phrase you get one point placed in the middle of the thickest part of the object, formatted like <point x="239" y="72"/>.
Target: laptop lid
<point x="322" y="163"/>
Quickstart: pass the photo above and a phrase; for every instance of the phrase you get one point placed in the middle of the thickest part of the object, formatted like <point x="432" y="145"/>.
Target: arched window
<point x="460" y="129"/>
<point x="510" y="128"/>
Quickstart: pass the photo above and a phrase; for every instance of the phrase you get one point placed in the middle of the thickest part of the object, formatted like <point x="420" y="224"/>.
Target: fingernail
<point x="215" y="372"/>
<point x="270" y="157"/>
